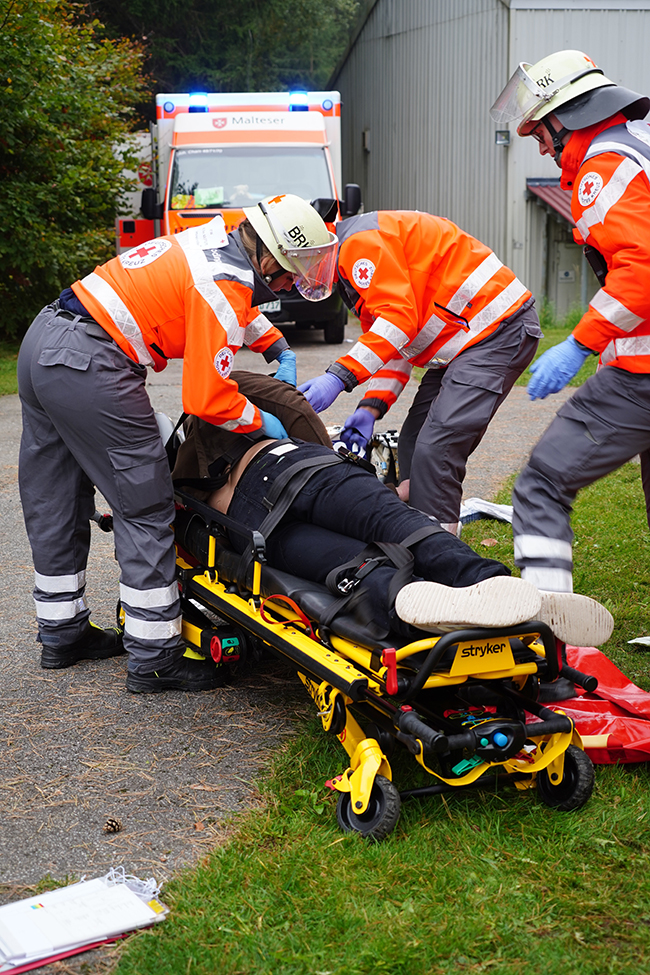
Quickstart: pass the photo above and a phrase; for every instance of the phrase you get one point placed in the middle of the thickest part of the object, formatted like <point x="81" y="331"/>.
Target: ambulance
<point x="211" y="153"/>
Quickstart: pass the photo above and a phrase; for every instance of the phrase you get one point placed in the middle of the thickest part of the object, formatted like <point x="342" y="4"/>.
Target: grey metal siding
<point x="420" y="80"/>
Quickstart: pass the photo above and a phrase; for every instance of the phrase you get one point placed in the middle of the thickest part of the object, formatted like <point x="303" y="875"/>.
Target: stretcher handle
<point x="587" y="681"/>
<point x="409" y="722"/>
<point x="557" y="724"/>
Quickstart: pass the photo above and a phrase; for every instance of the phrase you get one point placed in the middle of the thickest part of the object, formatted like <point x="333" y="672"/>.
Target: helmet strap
<point x="556" y="136"/>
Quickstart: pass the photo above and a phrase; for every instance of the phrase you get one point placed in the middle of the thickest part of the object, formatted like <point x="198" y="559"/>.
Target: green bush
<point x="65" y="97"/>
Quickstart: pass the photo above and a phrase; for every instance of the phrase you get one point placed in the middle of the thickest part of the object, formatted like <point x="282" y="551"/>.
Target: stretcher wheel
<point x="380" y="817"/>
<point x="577" y="782"/>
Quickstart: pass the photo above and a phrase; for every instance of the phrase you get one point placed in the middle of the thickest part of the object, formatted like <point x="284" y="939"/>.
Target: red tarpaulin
<point x="614" y="721"/>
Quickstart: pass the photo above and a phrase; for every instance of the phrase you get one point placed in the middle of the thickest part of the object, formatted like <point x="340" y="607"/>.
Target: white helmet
<point x="298" y="239"/>
<point x="569" y="79"/>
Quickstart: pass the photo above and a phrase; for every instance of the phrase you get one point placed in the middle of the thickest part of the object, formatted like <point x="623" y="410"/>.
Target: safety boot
<point x="179" y="674"/>
<point x="94" y="644"/>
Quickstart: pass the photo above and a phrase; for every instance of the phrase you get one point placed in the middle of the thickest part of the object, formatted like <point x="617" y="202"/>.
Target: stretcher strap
<point x="285" y="488"/>
<point x="301" y="618"/>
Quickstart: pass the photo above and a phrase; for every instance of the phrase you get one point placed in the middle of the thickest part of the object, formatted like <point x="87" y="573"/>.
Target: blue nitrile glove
<point x="286" y="371"/>
<point x="272" y="426"/>
<point x="357" y="429"/>
<point x="553" y="370"/>
<point x="322" y="391"/>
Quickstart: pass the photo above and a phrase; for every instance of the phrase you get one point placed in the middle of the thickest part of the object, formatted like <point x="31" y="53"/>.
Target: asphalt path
<point x="76" y="748"/>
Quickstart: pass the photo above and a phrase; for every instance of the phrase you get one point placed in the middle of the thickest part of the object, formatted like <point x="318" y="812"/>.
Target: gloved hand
<point x="357" y="429"/>
<point x="322" y="391"/>
<point x="286" y="371"/>
<point x="553" y="370"/>
<point x="272" y="426"/>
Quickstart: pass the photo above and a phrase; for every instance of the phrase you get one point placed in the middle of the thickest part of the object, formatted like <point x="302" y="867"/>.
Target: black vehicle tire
<point x="577" y="782"/>
<point x="380" y="817"/>
<point x="334" y="328"/>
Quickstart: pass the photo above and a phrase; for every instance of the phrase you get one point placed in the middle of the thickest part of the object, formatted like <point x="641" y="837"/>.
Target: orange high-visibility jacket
<point x="187" y="296"/>
<point x="423" y="289"/>
<point x="608" y="169"/>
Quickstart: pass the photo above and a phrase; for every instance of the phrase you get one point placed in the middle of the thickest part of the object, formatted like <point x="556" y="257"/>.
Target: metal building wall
<point x="419" y="81"/>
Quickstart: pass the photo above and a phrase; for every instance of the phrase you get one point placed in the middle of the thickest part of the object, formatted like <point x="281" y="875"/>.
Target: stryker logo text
<point x="483" y="650"/>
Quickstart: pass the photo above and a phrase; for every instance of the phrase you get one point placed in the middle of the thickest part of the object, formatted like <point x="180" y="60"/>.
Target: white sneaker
<point x="500" y="601"/>
<point x="575" y="619"/>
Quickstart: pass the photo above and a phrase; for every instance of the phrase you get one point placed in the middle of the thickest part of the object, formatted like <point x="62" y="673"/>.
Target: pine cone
<point x="112" y="825"/>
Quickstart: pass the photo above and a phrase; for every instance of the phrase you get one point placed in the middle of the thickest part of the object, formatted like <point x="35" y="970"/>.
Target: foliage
<point x="66" y="93"/>
<point x="479" y="881"/>
<point x="235" y="45"/>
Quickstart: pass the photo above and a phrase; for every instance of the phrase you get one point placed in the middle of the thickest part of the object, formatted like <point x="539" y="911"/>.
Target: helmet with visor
<point x="297" y="238"/>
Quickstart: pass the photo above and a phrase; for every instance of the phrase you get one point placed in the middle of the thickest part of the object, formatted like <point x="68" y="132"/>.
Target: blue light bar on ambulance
<point x="298" y="101"/>
<point x="198" y="101"/>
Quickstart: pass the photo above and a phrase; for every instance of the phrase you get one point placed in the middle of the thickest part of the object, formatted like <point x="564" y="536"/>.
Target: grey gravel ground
<point x="75" y="748"/>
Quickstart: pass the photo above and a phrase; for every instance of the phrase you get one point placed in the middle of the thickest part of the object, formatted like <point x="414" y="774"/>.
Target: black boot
<point x="180" y="674"/>
<point x="95" y="644"/>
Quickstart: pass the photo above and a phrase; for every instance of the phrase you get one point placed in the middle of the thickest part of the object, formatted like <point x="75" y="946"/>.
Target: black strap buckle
<point x="349" y="583"/>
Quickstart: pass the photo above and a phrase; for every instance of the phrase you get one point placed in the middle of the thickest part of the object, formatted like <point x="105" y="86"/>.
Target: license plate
<point x="482" y="656"/>
<point x="269" y="306"/>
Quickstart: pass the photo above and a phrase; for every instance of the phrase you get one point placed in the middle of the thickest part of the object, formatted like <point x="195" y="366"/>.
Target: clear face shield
<point x="313" y="267"/>
<point x="523" y="97"/>
<point x="520" y="98"/>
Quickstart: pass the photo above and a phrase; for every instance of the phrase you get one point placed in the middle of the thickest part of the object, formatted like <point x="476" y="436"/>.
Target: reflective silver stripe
<point x="390" y="332"/>
<point x="615" y="311"/>
<point x="60" y="611"/>
<point x="493" y="312"/>
<point x="608" y="196"/>
<point x="623" y="149"/>
<point x="549" y="580"/>
<point x="244" y="420"/>
<point x="120" y="315"/>
<point x="256" y="329"/>
<point x="149" y="598"/>
<point x="473" y="284"/>
<point x="366" y="357"/>
<point x="635" y="345"/>
<point x="53" y="584"/>
<point x="385" y="385"/>
<point x="542" y="547"/>
<point x="201" y="272"/>
<point x="425" y="337"/>
<point x="148" y="630"/>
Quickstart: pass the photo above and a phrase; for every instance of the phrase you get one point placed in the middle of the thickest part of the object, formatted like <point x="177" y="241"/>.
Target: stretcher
<point x="464" y="704"/>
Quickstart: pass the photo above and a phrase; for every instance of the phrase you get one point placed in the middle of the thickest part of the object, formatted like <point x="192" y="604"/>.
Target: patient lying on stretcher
<point x="328" y="520"/>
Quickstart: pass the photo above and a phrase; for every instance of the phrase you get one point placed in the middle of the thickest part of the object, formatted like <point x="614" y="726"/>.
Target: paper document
<point x="70" y="918"/>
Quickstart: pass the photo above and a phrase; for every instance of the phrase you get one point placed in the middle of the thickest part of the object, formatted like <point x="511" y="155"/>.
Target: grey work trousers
<point x="604" y="424"/>
<point x="452" y="410"/>
<point x="87" y="420"/>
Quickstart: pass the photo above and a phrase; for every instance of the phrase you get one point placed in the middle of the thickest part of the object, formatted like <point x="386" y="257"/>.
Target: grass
<point x="556" y="331"/>
<point x="8" y="358"/>
<point x="476" y="882"/>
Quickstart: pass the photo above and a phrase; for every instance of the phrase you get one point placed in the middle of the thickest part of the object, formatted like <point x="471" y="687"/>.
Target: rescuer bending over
<point x="428" y="294"/>
<point x="88" y="421"/>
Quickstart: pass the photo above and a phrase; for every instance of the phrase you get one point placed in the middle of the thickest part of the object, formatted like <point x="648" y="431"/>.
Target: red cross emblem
<point x="145" y="251"/>
<point x="363" y="273"/>
<point x="588" y="187"/>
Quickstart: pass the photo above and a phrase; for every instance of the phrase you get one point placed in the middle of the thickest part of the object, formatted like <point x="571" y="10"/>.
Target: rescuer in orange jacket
<point x="88" y="421"/>
<point x="593" y="129"/>
<point x="428" y="294"/>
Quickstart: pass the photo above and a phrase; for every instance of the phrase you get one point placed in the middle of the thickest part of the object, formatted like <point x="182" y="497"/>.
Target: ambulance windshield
<point x="239" y="177"/>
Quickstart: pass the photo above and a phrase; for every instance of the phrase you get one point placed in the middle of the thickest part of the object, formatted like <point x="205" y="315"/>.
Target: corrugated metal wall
<point x="420" y="80"/>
